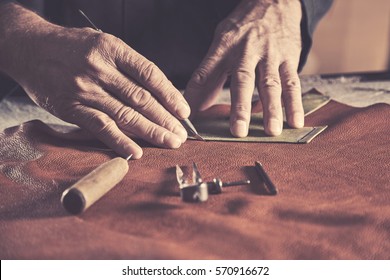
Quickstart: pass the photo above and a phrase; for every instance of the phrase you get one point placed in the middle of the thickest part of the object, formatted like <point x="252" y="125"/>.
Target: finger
<point x="292" y="95"/>
<point x="142" y="101"/>
<point x="106" y="130"/>
<point x="207" y="80"/>
<point x="131" y="122"/>
<point x="148" y="75"/>
<point x="270" y="90"/>
<point x="242" y="88"/>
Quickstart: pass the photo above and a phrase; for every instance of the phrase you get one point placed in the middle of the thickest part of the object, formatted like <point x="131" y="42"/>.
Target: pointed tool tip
<point x="198" y="137"/>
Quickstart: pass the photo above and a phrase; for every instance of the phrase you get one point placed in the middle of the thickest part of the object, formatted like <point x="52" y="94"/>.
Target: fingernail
<point x="239" y="129"/>
<point x="184" y="110"/>
<point x="181" y="132"/>
<point x="274" y="127"/>
<point x="172" y="141"/>
<point x="299" y="120"/>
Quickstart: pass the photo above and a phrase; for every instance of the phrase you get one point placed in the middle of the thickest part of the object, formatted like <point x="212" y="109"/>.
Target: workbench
<point x="333" y="200"/>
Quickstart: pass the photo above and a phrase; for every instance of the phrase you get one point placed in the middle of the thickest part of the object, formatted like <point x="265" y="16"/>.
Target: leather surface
<point x="333" y="200"/>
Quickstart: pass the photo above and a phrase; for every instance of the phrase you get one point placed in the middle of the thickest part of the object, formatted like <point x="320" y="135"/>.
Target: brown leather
<point x="333" y="200"/>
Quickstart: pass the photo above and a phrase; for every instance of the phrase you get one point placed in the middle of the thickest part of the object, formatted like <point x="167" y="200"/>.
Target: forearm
<point x="20" y="29"/>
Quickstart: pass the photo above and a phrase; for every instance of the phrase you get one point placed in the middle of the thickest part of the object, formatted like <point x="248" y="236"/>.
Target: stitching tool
<point x="89" y="189"/>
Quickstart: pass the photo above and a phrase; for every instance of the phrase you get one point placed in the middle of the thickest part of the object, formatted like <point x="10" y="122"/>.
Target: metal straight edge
<point x="312" y="134"/>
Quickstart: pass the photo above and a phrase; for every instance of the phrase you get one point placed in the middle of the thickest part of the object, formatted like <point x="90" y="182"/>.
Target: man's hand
<point x="259" y="43"/>
<point x="96" y="81"/>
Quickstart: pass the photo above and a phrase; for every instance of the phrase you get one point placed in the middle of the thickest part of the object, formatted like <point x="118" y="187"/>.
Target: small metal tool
<point x="217" y="185"/>
<point x="191" y="129"/>
<point x="90" y="21"/>
<point x="265" y="178"/>
<point x="186" y="122"/>
<point x="199" y="190"/>
<point x="191" y="192"/>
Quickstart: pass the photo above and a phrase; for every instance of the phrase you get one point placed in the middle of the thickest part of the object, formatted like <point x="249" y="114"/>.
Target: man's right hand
<point x="93" y="80"/>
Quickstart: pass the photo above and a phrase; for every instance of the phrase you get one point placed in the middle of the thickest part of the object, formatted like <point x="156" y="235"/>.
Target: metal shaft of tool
<point x="236" y="183"/>
<point x="90" y="21"/>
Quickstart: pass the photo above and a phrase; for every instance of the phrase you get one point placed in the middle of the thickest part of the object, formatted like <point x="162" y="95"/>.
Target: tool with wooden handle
<point x="93" y="186"/>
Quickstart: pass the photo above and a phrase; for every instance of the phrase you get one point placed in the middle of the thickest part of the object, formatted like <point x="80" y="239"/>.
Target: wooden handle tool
<point x="93" y="186"/>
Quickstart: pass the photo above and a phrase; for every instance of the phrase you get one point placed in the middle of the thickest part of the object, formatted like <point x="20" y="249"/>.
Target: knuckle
<point x="171" y="98"/>
<point x="226" y="26"/>
<point x="165" y="120"/>
<point x="273" y="109"/>
<point x="292" y="85"/>
<point x="100" y="39"/>
<point x="139" y="97"/>
<point x="98" y="42"/>
<point x="126" y="117"/>
<point x="100" y="123"/>
<point x="199" y="78"/>
<point x="245" y="75"/>
<point x="271" y="82"/>
<point x="149" y="74"/>
<point x="242" y="109"/>
<point x="98" y="50"/>
<point x="152" y="132"/>
<point x="225" y="40"/>
<point x="80" y="84"/>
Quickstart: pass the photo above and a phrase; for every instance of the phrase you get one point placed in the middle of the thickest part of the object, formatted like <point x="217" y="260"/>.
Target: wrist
<point x="21" y="31"/>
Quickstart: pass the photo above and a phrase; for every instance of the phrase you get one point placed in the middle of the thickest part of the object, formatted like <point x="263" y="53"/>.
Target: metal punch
<point x="198" y="191"/>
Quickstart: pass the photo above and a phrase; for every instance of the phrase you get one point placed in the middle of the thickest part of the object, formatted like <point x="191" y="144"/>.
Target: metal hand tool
<point x="199" y="190"/>
<point x="265" y="178"/>
<point x="217" y="185"/>
<point x="89" y="189"/>
<point x="191" y="192"/>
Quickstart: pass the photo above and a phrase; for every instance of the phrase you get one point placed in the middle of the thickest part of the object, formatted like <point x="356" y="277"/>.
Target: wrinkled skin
<point x="258" y="44"/>
<point x="96" y="81"/>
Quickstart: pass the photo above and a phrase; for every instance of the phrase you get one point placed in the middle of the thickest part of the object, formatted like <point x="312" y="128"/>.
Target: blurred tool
<point x="186" y="122"/>
<point x="198" y="191"/>
<point x="265" y="178"/>
<point x="93" y="186"/>
<point x="217" y="185"/>
<point x="191" y="192"/>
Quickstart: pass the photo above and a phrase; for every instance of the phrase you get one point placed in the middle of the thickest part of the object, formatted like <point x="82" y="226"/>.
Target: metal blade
<point x="180" y="176"/>
<point x="195" y="174"/>
<point x="191" y="129"/>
